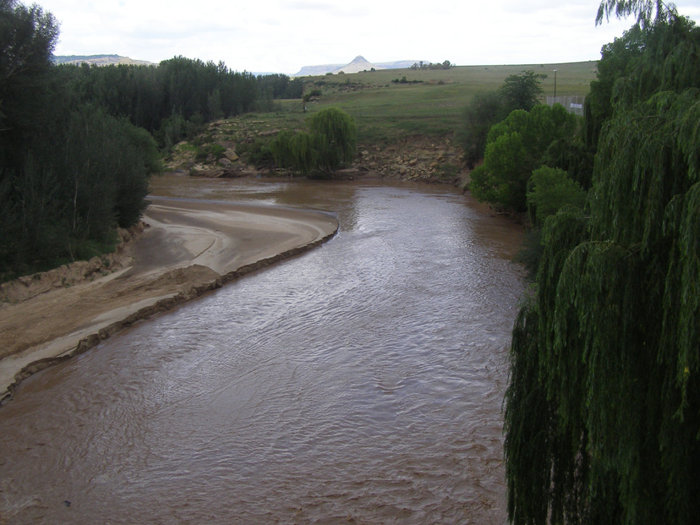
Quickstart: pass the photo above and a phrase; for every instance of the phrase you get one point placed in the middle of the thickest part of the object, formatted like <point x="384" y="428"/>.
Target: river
<point x="361" y="382"/>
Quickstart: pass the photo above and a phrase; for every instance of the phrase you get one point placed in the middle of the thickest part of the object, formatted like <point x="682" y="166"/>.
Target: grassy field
<point x="405" y="127"/>
<point x="429" y="102"/>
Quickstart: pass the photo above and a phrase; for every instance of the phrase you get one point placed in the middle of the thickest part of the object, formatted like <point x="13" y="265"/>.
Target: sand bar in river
<point x="189" y="247"/>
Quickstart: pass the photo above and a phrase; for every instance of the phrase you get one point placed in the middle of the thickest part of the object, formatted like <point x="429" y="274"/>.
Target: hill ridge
<point x="356" y="65"/>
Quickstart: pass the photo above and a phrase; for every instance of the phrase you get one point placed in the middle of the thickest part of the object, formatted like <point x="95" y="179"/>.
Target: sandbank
<point x="188" y="248"/>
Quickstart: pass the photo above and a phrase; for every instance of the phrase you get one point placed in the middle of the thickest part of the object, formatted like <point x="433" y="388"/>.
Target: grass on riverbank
<point x="389" y="104"/>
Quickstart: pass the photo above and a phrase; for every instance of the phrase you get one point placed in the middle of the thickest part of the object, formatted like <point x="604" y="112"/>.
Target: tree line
<point x="429" y="65"/>
<point x="602" y="410"/>
<point x="78" y="142"/>
<point x="174" y="98"/>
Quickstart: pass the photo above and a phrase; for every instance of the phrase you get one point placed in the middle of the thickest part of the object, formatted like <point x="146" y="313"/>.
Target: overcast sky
<point x="282" y="36"/>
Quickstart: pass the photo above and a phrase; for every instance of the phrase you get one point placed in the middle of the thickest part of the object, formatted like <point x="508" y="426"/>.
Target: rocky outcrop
<point x="410" y="159"/>
<point x="413" y="159"/>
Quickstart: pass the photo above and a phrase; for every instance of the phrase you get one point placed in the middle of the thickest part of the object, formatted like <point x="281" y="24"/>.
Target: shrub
<point x="212" y="149"/>
<point x="258" y="153"/>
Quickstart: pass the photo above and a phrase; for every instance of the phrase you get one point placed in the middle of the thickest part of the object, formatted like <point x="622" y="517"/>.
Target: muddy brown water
<point x="359" y="383"/>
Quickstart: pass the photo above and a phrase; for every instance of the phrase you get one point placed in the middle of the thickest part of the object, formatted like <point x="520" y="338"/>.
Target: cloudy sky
<point x="284" y="35"/>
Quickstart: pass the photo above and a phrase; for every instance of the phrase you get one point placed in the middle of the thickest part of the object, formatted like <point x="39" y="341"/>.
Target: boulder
<point x="231" y="155"/>
<point x="198" y="170"/>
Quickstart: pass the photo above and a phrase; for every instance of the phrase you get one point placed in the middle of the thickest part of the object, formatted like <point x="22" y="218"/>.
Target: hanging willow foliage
<point x="330" y="144"/>
<point x="602" y="414"/>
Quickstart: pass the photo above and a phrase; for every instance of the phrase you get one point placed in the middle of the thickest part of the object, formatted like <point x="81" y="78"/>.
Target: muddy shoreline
<point x="188" y="250"/>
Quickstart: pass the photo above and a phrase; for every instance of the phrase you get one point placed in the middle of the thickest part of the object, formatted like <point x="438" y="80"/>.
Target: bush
<point x="258" y="153"/>
<point x="212" y="149"/>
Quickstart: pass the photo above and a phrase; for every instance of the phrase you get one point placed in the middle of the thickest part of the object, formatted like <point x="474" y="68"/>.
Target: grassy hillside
<point x="99" y="60"/>
<point x="405" y="127"/>
<point x="429" y="102"/>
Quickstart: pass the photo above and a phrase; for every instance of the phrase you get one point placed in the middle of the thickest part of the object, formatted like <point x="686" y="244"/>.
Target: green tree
<point x="502" y="179"/>
<point x="515" y="147"/>
<point x="602" y="412"/>
<point x="105" y="164"/>
<point x="549" y="190"/>
<point x="618" y="60"/>
<point x="330" y="144"/>
<point x="522" y="91"/>
<point x="646" y="11"/>
<point x="294" y="151"/>
<point x="138" y="159"/>
<point x="487" y="108"/>
<point x="27" y="39"/>
<point x="335" y="136"/>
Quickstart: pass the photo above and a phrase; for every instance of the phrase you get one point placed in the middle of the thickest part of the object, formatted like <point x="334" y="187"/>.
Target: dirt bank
<point x="409" y="158"/>
<point x="188" y="248"/>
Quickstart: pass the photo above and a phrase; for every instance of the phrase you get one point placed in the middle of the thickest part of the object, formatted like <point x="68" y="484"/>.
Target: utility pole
<point x="555" y="84"/>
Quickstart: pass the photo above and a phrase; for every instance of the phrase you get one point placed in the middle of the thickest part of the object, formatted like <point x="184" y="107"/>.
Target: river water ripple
<point x="360" y="383"/>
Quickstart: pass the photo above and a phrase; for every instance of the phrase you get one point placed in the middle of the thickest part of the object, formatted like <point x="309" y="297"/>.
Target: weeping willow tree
<point x="335" y="136"/>
<point x="646" y="11"/>
<point x="602" y="413"/>
<point x="330" y="144"/>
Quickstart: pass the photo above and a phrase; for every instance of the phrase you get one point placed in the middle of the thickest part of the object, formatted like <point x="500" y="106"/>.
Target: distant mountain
<point x="399" y="64"/>
<point x="99" y="60"/>
<point x="359" y="63"/>
<point x="317" y="70"/>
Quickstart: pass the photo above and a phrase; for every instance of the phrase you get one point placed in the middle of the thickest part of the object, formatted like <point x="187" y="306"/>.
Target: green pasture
<point x="429" y="102"/>
<point x="574" y="77"/>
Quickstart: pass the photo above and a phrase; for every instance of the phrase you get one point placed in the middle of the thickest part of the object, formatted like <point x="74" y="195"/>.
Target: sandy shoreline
<point x="190" y="247"/>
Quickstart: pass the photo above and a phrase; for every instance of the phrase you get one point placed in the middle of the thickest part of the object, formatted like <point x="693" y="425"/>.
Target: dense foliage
<point x="277" y="86"/>
<point x="76" y="142"/>
<point x="329" y="145"/>
<point x="603" y="406"/>
<point x="515" y="147"/>
<point x="171" y="100"/>
<point x="75" y="147"/>
<point x="69" y="173"/>
<point x="175" y="97"/>
<point x="487" y="108"/>
<point x="549" y="190"/>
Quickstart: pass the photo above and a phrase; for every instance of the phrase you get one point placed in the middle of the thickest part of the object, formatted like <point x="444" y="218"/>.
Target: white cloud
<point x="278" y="35"/>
